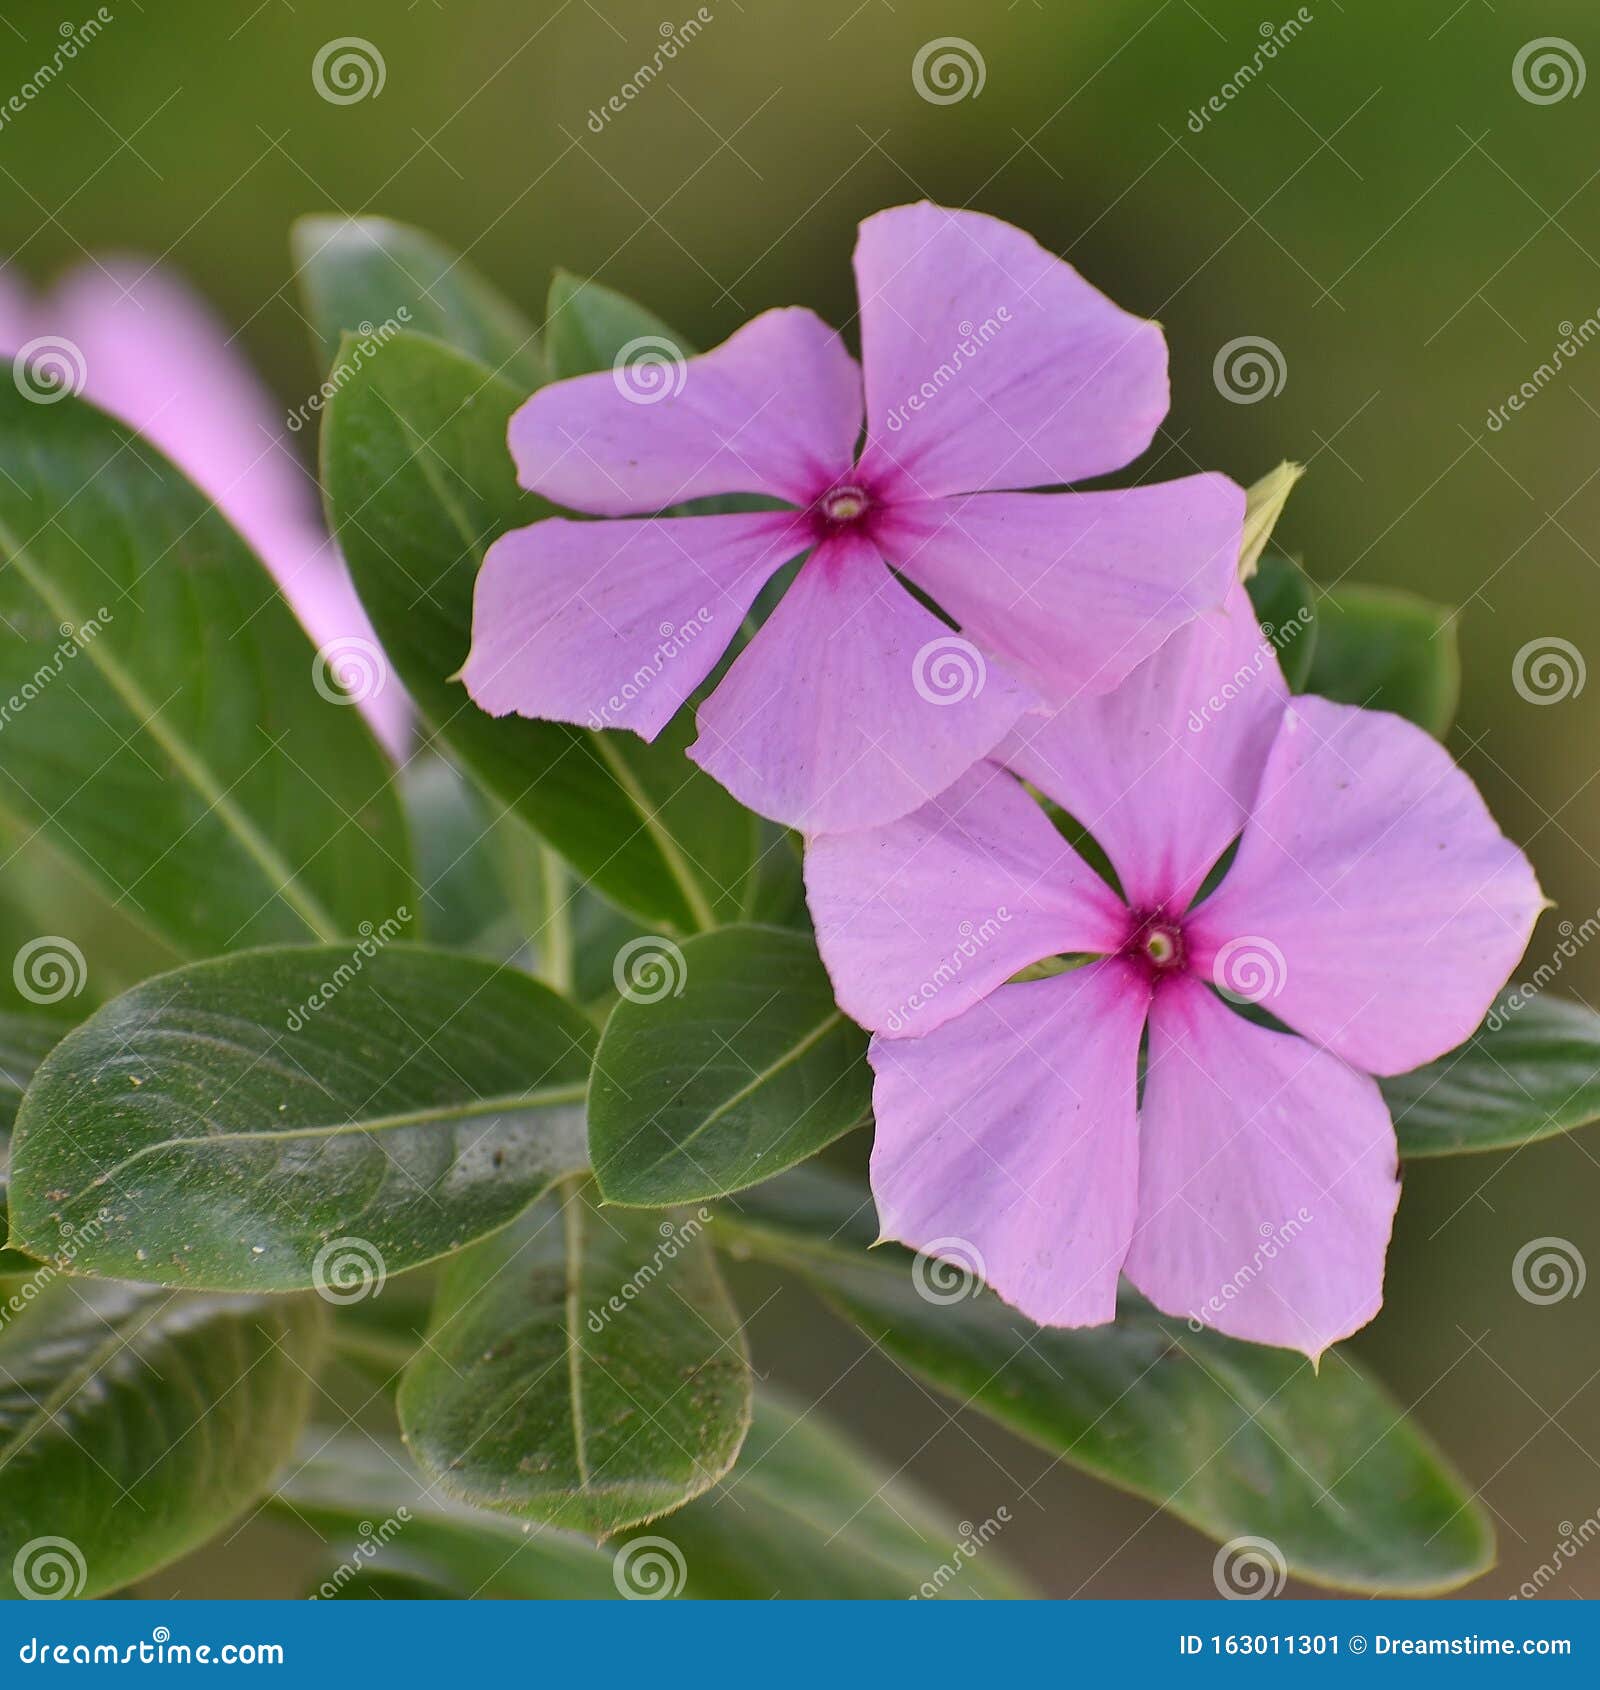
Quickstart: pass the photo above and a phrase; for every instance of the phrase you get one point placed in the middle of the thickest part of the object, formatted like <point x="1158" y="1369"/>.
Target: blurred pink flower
<point x="988" y="364"/>
<point x="154" y="356"/>
<point x="1373" y="907"/>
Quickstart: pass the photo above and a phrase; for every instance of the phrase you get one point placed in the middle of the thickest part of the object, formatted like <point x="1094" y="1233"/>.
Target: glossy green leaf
<point x="1237" y="1439"/>
<point x="1388" y="650"/>
<point x="589" y="327"/>
<point x="1285" y="606"/>
<point x="584" y="1368"/>
<point x="171" y="739"/>
<point x="368" y="277"/>
<point x="725" y="1062"/>
<point x="1532" y="1070"/>
<point x="136" y="1423"/>
<point x="318" y="1116"/>
<point x="806" y="1515"/>
<point x="420" y="482"/>
<point x="25" y="1040"/>
<point x="365" y="1499"/>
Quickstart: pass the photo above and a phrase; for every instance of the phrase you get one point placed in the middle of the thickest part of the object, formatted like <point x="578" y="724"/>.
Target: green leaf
<point x="319" y="1116"/>
<point x="420" y="482"/>
<point x="25" y="1040"/>
<point x="589" y="326"/>
<point x="1387" y="650"/>
<point x="1237" y="1439"/>
<point x="1285" y="606"/>
<point x="585" y="1368"/>
<point x="1532" y="1070"/>
<point x="725" y="1062"/>
<point x="806" y="1515"/>
<point x="367" y="276"/>
<point x="170" y="740"/>
<point x="135" y="1424"/>
<point x="366" y="1496"/>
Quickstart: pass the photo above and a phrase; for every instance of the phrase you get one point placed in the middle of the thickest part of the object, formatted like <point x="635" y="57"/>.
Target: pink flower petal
<point x="920" y="920"/>
<point x="1268" y="1178"/>
<point x="1162" y="770"/>
<point x="991" y="363"/>
<point x="775" y="409"/>
<point x="1374" y="905"/>
<point x="1007" y="1142"/>
<point x="1072" y="590"/>
<point x="614" y="624"/>
<point x="853" y="705"/>
<point x="158" y="359"/>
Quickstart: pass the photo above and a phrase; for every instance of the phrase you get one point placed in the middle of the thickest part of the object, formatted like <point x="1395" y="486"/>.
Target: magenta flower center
<point x="1155" y="940"/>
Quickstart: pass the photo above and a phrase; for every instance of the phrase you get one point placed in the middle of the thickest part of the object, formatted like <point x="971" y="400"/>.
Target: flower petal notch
<point x="990" y="367"/>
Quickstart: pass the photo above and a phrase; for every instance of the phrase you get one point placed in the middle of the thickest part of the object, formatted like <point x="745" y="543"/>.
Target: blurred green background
<point x="1380" y="203"/>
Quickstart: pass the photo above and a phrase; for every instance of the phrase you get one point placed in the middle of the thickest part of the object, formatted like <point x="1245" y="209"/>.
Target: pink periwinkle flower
<point x="988" y="364"/>
<point x="1372" y="907"/>
<point x="144" y="347"/>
